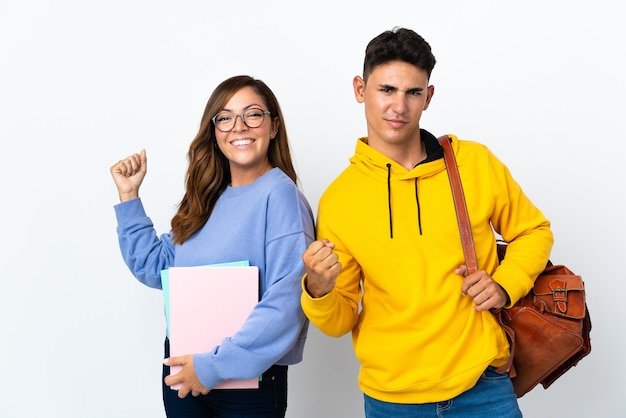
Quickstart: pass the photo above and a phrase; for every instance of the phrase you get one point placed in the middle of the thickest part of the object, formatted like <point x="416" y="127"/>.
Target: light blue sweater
<point x="269" y="223"/>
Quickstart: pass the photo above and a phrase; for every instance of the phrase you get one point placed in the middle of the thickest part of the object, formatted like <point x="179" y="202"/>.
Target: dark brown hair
<point x="398" y="44"/>
<point x="208" y="173"/>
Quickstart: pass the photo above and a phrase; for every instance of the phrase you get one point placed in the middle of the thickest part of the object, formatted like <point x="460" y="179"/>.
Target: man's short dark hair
<point x="398" y="44"/>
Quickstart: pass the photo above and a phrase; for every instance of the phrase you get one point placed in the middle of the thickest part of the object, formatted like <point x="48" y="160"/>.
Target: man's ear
<point x="359" y="88"/>
<point x="430" y="92"/>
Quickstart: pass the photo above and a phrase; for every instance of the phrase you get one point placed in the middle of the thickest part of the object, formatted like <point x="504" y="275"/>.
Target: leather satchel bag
<point x="548" y="329"/>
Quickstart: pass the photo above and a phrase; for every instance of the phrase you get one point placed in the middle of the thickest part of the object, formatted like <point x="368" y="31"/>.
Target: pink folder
<point x="206" y="305"/>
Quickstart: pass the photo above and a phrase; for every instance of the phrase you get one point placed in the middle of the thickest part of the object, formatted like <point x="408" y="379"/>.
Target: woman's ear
<point x="275" y="126"/>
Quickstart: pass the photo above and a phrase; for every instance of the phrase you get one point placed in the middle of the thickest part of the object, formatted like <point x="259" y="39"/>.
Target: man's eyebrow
<point x="390" y="87"/>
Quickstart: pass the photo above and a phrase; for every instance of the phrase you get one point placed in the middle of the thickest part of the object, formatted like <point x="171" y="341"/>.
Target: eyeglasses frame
<point x="243" y="119"/>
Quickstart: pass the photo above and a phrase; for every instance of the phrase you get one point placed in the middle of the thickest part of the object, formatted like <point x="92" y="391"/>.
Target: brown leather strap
<point x="467" y="240"/>
<point x="460" y="206"/>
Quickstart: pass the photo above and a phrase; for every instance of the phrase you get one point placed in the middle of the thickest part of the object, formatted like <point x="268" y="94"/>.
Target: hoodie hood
<point x="377" y="165"/>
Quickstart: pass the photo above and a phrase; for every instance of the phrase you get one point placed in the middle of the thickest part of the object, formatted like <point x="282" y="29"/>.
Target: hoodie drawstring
<point x="389" y="199"/>
<point x="417" y="202"/>
<point x="419" y="210"/>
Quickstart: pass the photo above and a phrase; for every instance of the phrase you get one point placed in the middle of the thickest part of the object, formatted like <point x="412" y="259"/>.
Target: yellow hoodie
<point x="415" y="335"/>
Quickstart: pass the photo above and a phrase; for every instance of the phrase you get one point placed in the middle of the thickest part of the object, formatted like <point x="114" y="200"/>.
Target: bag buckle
<point x="559" y="296"/>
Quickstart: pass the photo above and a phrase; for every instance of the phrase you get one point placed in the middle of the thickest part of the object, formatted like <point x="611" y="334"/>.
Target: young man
<point x="388" y="263"/>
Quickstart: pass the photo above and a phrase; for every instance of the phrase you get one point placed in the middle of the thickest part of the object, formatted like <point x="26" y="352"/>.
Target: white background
<point x="83" y="84"/>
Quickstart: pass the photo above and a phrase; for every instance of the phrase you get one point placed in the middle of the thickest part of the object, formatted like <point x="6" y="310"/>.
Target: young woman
<point x="241" y="203"/>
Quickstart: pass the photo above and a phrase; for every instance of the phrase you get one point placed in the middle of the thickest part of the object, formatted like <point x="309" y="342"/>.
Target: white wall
<point x="83" y="84"/>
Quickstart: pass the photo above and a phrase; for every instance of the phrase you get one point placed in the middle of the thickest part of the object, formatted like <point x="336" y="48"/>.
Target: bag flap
<point x="561" y="292"/>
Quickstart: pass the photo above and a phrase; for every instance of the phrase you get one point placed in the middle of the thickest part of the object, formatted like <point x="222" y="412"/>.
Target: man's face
<point x="395" y="96"/>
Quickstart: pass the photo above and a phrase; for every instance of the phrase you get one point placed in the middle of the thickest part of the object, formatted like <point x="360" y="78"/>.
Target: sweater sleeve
<point x="275" y="331"/>
<point x="143" y="251"/>
<point x="525" y="228"/>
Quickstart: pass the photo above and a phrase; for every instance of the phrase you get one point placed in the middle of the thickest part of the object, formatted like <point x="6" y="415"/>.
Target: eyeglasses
<point x="253" y="118"/>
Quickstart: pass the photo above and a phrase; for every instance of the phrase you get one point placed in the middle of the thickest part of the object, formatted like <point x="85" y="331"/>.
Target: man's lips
<point x="396" y="123"/>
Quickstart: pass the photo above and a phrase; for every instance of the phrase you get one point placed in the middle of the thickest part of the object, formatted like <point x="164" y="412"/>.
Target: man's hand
<point x="322" y="267"/>
<point x="485" y="291"/>
<point x="187" y="376"/>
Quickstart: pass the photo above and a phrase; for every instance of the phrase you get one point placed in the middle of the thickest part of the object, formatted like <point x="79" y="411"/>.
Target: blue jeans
<point x="268" y="401"/>
<point x="491" y="397"/>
